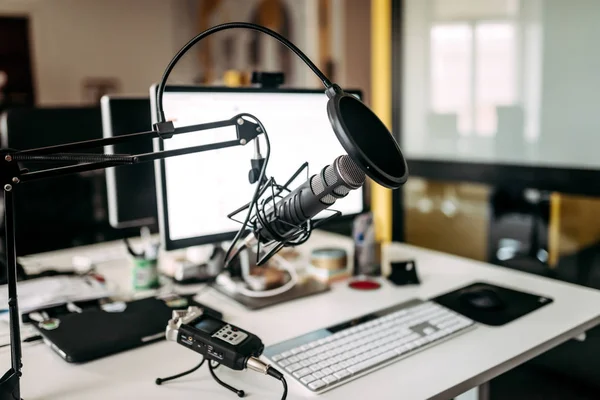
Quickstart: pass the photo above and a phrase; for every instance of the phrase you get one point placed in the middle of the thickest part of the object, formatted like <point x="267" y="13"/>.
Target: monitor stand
<point x="202" y="273"/>
<point x="305" y="287"/>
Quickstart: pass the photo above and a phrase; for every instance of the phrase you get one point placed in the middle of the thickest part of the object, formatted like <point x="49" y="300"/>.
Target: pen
<point x="30" y="339"/>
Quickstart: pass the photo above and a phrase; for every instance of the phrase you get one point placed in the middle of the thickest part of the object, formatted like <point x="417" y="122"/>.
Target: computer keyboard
<point x="329" y="357"/>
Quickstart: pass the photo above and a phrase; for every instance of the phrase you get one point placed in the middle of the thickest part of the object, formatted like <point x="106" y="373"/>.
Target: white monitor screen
<point x="202" y="189"/>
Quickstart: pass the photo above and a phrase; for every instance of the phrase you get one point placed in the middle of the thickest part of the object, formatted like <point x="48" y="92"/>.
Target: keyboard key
<point x="302" y="372"/>
<point x="277" y="357"/>
<point x="342" y="374"/>
<point x="437" y="335"/>
<point x="286" y="354"/>
<point x="318" y="384"/>
<point x="338" y="358"/>
<point x="313" y="352"/>
<point x="314" y="368"/>
<point x="336" y="367"/>
<point x="296" y="350"/>
<point x="327" y="371"/>
<point x="330" y="379"/>
<point x="293" y="367"/>
<point x="429" y="331"/>
<point x="371" y="362"/>
<point x="284" y="363"/>
<point x="305" y="363"/>
<point x="318" y="375"/>
<point x="307" y="379"/>
<point x="293" y="359"/>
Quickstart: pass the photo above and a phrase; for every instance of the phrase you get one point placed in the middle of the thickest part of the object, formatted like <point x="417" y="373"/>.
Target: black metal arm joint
<point x="246" y="130"/>
<point x="10" y="172"/>
<point x="165" y="129"/>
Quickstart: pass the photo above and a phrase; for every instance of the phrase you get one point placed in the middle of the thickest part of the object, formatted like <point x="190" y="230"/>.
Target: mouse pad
<point x="511" y="304"/>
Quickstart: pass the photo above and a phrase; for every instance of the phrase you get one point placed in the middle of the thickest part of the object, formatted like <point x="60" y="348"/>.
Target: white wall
<point x="131" y="40"/>
<point x="304" y="34"/>
<point x="570" y="120"/>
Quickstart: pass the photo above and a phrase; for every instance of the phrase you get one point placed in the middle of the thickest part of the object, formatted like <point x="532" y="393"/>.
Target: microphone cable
<point x="254" y="201"/>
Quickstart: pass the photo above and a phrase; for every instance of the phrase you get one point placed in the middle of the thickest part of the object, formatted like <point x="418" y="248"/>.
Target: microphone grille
<point x="318" y="186"/>
<point x="350" y="172"/>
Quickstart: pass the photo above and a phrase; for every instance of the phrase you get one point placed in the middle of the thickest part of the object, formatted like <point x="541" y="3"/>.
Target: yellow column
<point x="381" y="101"/>
<point x="554" y="230"/>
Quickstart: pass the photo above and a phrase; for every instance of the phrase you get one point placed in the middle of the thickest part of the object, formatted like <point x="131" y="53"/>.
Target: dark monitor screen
<point x="131" y="189"/>
<point x="60" y="212"/>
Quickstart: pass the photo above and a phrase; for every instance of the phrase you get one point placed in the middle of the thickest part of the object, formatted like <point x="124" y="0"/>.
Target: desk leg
<point x="483" y="392"/>
<point x="479" y="393"/>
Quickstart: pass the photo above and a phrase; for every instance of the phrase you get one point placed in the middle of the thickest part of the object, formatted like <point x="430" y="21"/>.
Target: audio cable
<point x="257" y="365"/>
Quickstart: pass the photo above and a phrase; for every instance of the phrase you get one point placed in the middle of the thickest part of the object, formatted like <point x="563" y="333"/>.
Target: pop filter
<point x="366" y="139"/>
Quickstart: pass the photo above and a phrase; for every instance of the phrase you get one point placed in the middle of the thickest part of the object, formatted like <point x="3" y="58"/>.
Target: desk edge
<point x="487" y="375"/>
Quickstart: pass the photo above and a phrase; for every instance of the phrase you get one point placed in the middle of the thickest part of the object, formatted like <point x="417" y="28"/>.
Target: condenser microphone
<point x="320" y="191"/>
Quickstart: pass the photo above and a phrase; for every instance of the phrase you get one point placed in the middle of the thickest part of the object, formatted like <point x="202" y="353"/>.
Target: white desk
<point x="441" y="372"/>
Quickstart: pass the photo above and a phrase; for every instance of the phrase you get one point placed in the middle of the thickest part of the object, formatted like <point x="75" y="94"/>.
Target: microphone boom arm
<point x="245" y="131"/>
<point x="11" y="175"/>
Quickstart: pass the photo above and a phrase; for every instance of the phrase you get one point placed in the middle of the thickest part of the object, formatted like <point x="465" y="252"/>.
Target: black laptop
<point x="94" y="332"/>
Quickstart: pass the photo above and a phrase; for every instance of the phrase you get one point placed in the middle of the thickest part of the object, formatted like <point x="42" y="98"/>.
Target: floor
<point x="570" y="371"/>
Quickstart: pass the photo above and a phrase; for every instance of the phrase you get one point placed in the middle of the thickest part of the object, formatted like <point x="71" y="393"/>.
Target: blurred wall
<point x="131" y="41"/>
<point x="357" y="46"/>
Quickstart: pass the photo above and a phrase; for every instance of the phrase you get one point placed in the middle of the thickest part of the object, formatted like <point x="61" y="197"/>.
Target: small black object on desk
<point x="404" y="273"/>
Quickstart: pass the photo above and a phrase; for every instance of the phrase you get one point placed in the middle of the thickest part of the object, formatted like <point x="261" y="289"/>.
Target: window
<point x="473" y="67"/>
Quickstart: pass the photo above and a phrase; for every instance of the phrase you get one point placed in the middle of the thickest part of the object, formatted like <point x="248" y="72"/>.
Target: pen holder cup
<point x="145" y="273"/>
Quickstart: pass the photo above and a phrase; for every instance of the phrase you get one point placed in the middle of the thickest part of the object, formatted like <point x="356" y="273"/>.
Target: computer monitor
<point x="60" y="212"/>
<point x="131" y="190"/>
<point x="196" y="192"/>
